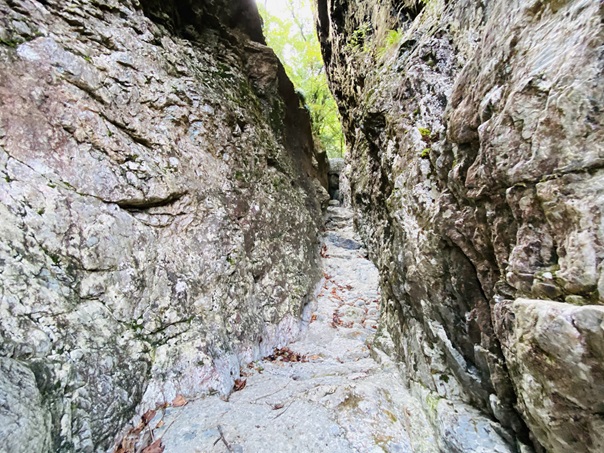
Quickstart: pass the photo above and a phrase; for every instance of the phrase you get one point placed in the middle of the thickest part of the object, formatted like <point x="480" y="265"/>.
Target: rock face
<point x="476" y="154"/>
<point x="336" y="167"/>
<point x="159" y="210"/>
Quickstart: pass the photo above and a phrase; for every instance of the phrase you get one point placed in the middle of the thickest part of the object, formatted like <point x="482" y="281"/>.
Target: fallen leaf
<point x="155" y="447"/>
<point x="240" y="384"/>
<point x="148" y="416"/>
<point x="285" y="355"/>
<point x="160" y="424"/>
<point x="277" y="406"/>
<point x="336" y="321"/>
<point x="179" y="401"/>
<point x="138" y="429"/>
<point x="313" y="317"/>
<point x="335" y="294"/>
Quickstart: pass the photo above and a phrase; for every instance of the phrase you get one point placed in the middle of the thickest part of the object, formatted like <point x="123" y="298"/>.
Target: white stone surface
<point x="342" y="399"/>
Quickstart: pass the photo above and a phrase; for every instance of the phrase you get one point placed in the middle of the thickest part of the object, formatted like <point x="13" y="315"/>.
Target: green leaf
<point x="294" y="40"/>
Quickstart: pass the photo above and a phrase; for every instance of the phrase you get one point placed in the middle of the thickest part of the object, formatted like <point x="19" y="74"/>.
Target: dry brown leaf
<point x="179" y="401"/>
<point x="160" y="424"/>
<point x="285" y="355"/>
<point x="335" y="320"/>
<point x="148" y="416"/>
<point x="128" y="442"/>
<point x="240" y="384"/>
<point x="335" y="294"/>
<point x="277" y="406"/>
<point x="138" y="429"/>
<point x="313" y="317"/>
<point x="155" y="447"/>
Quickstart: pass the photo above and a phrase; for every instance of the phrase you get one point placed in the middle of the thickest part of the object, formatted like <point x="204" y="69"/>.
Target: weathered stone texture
<point x="476" y="149"/>
<point x="159" y="209"/>
<point x="336" y="169"/>
<point x="555" y="355"/>
<point x="25" y="420"/>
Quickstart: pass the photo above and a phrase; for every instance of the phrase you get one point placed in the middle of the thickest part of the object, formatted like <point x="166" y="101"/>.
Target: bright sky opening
<point x="281" y="9"/>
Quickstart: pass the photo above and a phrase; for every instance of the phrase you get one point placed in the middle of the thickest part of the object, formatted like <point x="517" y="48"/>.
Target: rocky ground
<point x="330" y="391"/>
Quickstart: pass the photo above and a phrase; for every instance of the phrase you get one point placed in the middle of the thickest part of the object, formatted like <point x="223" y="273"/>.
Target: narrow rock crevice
<point x="166" y="217"/>
<point x="148" y="203"/>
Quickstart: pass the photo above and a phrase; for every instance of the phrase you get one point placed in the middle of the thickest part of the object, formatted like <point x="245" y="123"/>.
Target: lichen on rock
<point x="160" y="201"/>
<point x="475" y="151"/>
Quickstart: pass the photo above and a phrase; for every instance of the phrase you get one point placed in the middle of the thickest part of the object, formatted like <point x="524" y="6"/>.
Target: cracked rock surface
<point x="475" y="166"/>
<point x="345" y="396"/>
<point x="159" y="210"/>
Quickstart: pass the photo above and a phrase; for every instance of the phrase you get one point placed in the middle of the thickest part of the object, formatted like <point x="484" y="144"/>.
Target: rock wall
<point x="476" y="148"/>
<point x="336" y="169"/>
<point x="159" y="208"/>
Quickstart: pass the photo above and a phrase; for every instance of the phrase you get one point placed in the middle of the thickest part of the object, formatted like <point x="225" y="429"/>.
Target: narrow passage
<point x="337" y="398"/>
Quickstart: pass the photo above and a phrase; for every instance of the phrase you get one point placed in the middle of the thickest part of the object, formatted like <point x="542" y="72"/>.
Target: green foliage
<point x="358" y="40"/>
<point x="294" y="40"/>
<point x="11" y="42"/>
<point x="393" y="37"/>
<point x="425" y="153"/>
<point x="424" y="131"/>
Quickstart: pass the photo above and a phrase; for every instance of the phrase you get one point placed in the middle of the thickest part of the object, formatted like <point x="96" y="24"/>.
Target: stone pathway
<point x="339" y="400"/>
